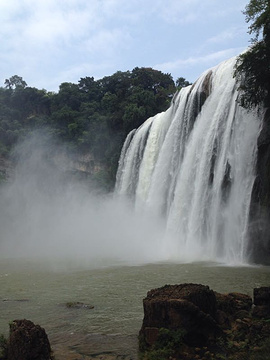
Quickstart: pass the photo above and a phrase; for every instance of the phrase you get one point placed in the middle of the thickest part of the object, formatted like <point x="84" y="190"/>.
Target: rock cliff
<point x="259" y="224"/>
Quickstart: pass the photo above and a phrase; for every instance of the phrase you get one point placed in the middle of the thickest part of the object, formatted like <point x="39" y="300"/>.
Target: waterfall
<point x="194" y="167"/>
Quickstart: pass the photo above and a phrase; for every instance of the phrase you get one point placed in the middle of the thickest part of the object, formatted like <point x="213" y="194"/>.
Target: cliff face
<point x="259" y="230"/>
<point x="76" y="163"/>
<point x="71" y="166"/>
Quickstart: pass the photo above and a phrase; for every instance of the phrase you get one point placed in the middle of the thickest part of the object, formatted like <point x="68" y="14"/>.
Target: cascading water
<point x="193" y="166"/>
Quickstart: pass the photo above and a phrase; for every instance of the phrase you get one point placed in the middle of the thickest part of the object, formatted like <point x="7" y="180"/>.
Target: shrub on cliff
<point x="252" y="69"/>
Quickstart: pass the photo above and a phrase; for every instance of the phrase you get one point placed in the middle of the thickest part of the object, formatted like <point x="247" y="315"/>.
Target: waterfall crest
<point x="193" y="166"/>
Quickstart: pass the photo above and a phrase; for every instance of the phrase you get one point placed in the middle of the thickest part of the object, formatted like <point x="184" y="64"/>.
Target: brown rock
<point x="205" y="324"/>
<point x="222" y="318"/>
<point x="261" y="312"/>
<point x="151" y="335"/>
<point x="262" y="296"/>
<point x="189" y="307"/>
<point x="199" y="295"/>
<point x="28" y="341"/>
<point x="261" y="302"/>
<point x="233" y="303"/>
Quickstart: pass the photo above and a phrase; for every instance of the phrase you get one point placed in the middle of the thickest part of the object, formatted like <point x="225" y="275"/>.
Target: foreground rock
<point x="190" y="307"/>
<point x="27" y="341"/>
<point x="190" y="321"/>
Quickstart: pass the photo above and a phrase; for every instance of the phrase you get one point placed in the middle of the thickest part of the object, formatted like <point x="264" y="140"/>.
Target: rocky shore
<point x="191" y="321"/>
<point x="181" y="322"/>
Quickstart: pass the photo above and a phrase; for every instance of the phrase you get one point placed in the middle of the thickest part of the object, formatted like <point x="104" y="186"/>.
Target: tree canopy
<point x="258" y="12"/>
<point x="90" y="116"/>
<point x="182" y="82"/>
<point x="252" y="69"/>
<point x="15" y="81"/>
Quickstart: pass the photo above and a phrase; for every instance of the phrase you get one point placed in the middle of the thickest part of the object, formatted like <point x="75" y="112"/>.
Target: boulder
<point x="28" y="341"/>
<point x="233" y="303"/>
<point x="262" y="296"/>
<point x="231" y="307"/>
<point x="261" y="312"/>
<point x="189" y="307"/>
<point x="261" y="309"/>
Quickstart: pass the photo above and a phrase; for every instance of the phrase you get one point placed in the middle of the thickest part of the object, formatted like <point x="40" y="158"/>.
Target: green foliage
<point x="132" y="116"/>
<point x="3" y="347"/>
<point x="16" y="82"/>
<point x="262" y="353"/>
<point x="182" y="82"/>
<point x="252" y="73"/>
<point x="91" y="116"/>
<point x="258" y="12"/>
<point x="168" y="343"/>
<point x="252" y="70"/>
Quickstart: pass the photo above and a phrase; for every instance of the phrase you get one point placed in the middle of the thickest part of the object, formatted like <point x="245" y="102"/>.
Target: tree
<point x="252" y="70"/>
<point x="258" y="11"/>
<point x="92" y="115"/>
<point x="69" y="95"/>
<point x="182" y="82"/>
<point x="152" y="80"/>
<point x="90" y="88"/>
<point x="16" y="82"/>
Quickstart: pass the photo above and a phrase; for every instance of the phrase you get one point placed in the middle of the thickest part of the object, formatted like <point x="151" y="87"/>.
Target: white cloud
<point x="44" y="33"/>
<point x="50" y="39"/>
<point x="228" y="35"/>
<point x="211" y="59"/>
<point x="105" y="42"/>
<point x="195" y="11"/>
<point x="185" y="11"/>
<point x="76" y="71"/>
<point x="45" y="22"/>
<point x="178" y="11"/>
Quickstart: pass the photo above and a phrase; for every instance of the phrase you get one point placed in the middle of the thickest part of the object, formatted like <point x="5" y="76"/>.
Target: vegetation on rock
<point x="252" y="69"/>
<point x="190" y="321"/>
<point x="3" y="347"/>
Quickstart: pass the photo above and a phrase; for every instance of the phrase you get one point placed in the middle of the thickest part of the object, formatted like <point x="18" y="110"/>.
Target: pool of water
<point x="40" y="290"/>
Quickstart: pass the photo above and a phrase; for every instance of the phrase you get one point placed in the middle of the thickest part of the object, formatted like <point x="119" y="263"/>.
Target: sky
<point x="48" y="42"/>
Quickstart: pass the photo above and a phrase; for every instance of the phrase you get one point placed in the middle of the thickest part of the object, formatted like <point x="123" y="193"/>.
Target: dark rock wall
<point x="259" y="228"/>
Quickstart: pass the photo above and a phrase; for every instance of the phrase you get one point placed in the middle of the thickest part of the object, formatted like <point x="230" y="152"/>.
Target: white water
<point x="193" y="166"/>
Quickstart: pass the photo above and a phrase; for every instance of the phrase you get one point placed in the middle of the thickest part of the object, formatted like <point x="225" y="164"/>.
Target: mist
<point x="47" y="214"/>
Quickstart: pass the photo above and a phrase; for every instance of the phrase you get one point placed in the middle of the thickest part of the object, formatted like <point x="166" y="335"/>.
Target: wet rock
<point x="261" y="312"/>
<point x="261" y="309"/>
<point x="199" y="295"/>
<point x="262" y="296"/>
<point x="28" y="341"/>
<point x="18" y="300"/>
<point x="233" y="305"/>
<point x="190" y="307"/>
<point x="78" y="305"/>
<point x="222" y="319"/>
